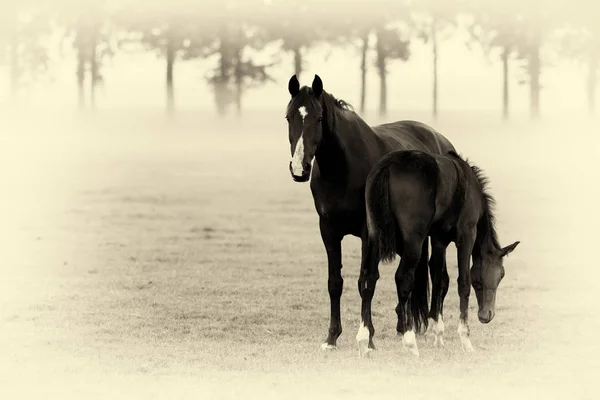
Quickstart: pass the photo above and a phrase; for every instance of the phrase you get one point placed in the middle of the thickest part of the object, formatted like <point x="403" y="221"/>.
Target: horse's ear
<point x="317" y="86"/>
<point x="508" y="249"/>
<point x="294" y="86"/>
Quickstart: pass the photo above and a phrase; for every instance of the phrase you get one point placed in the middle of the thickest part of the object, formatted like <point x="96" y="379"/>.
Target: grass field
<point x="146" y="261"/>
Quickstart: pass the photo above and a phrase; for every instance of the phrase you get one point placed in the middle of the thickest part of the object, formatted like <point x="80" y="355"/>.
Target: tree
<point x="23" y="28"/>
<point x="295" y="25"/>
<point x="430" y="20"/>
<point x="90" y="28"/>
<point x="176" y="30"/>
<point x="522" y="29"/>
<point x="390" y="45"/>
<point x="354" y="24"/>
<point x="239" y="38"/>
<point x="581" y="41"/>
<point x="496" y="29"/>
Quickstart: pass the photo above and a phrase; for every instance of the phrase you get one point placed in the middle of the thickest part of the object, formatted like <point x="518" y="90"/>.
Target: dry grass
<point x="144" y="264"/>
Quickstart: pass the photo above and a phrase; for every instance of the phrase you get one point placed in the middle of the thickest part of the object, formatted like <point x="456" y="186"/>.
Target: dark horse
<point x="344" y="149"/>
<point x="413" y="194"/>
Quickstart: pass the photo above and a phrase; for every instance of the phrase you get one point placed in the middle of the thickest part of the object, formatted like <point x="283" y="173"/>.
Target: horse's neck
<point x="342" y="143"/>
<point x="483" y="240"/>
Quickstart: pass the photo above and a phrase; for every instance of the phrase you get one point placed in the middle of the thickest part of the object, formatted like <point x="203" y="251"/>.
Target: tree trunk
<point x="534" y="81"/>
<point x="170" y="64"/>
<point x="592" y="82"/>
<point x="505" y="55"/>
<point x="81" y="77"/>
<point x="14" y="65"/>
<point x="363" y="72"/>
<point x="223" y="79"/>
<point x="297" y="61"/>
<point x="94" y="70"/>
<point x="238" y="78"/>
<point x="434" y="44"/>
<point x="381" y="61"/>
<point x="13" y="48"/>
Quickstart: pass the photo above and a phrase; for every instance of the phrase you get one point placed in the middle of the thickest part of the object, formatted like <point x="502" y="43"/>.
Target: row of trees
<point x="236" y="33"/>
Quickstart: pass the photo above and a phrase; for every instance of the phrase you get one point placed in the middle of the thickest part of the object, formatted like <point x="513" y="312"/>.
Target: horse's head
<point x="486" y="274"/>
<point x="304" y="115"/>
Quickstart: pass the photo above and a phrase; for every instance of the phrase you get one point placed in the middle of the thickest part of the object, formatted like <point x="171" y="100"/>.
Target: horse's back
<point x="413" y="135"/>
<point x="414" y="173"/>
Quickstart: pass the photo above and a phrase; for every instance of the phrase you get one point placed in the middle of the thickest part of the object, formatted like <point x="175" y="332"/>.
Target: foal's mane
<point x="488" y="228"/>
<point x="329" y="102"/>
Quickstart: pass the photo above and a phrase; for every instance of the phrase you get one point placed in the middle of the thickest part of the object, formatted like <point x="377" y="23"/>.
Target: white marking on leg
<point x="298" y="158"/>
<point x="327" y="346"/>
<point x="438" y="331"/>
<point x="463" y="333"/>
<point x="303" y="112"/>
<point x="409" y="341"/>
<point x="362" y="339"/>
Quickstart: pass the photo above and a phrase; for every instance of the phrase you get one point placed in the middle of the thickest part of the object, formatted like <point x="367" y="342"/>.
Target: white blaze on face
<point x="298" y="157"/>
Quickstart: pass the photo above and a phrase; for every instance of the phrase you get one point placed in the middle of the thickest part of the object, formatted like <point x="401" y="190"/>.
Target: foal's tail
<point x="380" y="221"/>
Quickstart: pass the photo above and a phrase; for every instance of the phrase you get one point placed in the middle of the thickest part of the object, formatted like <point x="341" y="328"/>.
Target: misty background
<point x="154" y="244"/>
<point x="506" y="58"/>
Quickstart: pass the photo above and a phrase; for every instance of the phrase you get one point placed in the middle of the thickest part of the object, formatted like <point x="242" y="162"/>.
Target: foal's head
<point x="486" y="274"/>
<point x="304" y="115"/>
<point x="488" y="255"/>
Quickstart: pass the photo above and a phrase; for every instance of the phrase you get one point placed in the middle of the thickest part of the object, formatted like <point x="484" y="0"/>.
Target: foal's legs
<point x="333" y="245"/>
<point x="464" y="250"/>
<point x="369" y="274"/>
<point x="405" y="274"/>
<point x="440" y="282"/>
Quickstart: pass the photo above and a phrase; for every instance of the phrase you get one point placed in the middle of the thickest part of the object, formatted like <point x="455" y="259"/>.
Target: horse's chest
<point x="335" y="204"/>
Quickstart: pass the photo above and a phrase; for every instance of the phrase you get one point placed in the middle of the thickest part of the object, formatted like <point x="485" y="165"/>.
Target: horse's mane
<point x="329" y="102"/>
<point x="488" y="227"/>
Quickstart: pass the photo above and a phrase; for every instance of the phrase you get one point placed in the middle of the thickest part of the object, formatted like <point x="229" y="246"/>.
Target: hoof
<point x="438" y="342"/>
<point x="363" y="349"/>
<point x="327" y="346"/>
<point x="410" y="343"/>
<point x="362" y="340"/>
<point x="468" y="347"/>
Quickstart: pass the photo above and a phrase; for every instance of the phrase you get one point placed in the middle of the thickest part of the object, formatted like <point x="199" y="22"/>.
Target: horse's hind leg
<point x="440" y="282"/>
<point x="369" y="274"/>
<point x="405" y="275"/>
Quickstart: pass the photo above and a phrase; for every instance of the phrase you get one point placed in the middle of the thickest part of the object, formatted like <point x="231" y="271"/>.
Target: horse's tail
<point x="381" y="224"/>
<point x="419" y="297"/>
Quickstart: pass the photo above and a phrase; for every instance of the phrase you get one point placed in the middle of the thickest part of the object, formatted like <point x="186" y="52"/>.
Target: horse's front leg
<point x="464" y="251"/>
<point x="335" y="283"/>
<point x="369" y="274"/>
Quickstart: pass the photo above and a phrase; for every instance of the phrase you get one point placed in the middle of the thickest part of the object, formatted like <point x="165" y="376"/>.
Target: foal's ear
<point x="294" y="86"/>
<point x="317" y="86"/>
<point x="508" y="249"/>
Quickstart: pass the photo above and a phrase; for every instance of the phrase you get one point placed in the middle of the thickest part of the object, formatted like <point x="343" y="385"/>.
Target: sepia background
<point x="154" y="245"/>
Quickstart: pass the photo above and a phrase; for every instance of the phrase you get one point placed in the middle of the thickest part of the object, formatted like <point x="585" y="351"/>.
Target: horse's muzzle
<point x="305" y="174"/>
<point x="485" y="316"/>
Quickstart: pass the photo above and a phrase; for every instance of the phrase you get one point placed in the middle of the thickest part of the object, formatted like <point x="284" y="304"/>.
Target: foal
<point x="413" y="194"/>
